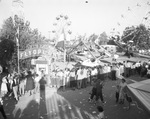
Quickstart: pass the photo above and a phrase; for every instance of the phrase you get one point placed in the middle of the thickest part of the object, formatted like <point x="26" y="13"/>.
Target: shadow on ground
<point x="69" y="104"/>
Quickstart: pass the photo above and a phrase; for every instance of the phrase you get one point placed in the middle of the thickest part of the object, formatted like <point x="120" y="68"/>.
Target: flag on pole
<point x="60" y="44"/>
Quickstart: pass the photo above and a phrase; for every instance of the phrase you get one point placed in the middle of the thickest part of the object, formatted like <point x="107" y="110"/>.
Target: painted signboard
<point x="38" y="49"/>
<point x="34" y="52"/>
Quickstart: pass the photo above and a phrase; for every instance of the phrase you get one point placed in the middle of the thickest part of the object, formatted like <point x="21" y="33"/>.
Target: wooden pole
<point x="64" y="81"/>
<point x="18" y="51"/>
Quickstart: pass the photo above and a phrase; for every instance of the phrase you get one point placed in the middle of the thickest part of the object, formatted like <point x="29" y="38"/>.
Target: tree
<point x="103" y="38"/>
<point x="139" y="35"/>
<point x="7" y="48"/>
<point x="142" y="38"/>
<point x="16" y="28"/>
<point x="8" y="30"/>
<point x="128" y="34"/>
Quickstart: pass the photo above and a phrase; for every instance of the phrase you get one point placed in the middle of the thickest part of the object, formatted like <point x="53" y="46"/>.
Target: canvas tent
<point x="140" y="91"/>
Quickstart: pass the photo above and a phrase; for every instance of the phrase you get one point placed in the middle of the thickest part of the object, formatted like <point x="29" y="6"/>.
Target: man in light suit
<point x="15" y="87"/>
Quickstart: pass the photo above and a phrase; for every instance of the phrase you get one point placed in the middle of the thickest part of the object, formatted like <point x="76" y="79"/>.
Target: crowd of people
<point x="17" y="85"/>
<point x="80" y="77"/>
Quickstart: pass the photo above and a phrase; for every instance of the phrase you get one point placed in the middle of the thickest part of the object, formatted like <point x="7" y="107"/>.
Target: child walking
<point x="117" y="93"/>
<point x="93" y="91"/>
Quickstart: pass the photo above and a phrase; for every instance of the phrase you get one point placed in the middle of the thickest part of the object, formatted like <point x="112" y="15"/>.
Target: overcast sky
<point x="95" y="16"/>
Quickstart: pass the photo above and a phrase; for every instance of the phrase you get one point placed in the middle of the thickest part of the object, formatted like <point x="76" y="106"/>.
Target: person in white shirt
<point x="4" y="89"/>
<point x="128" y="68"/>
<point x="124" y="65"/>
<point x="15" y="87"/>
<point x="109" y="71"/>
<point x="60" y="75"/>
<point x="105" y="71"/>
<point x="148" y="72"/>
<point x="66" y="73"/>
<point x="22" y="84"/>
<point x="37" y="85"/>
<point x="89" y="76"/>
<point x="121" y="69"/>
<point x="94" y="72"/>
<point x="102" y="72"/>
<point x="79" y="77"/>
<point x="118" y="71"/>
<point x="84" y="81"/>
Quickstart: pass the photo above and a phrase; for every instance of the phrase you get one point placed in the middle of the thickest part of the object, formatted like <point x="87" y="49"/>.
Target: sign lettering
<point x="34" y="52"/>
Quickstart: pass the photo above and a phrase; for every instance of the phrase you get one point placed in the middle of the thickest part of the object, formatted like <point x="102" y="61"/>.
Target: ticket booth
<point x="41" y="64"/>
<point x="42" y="67"/>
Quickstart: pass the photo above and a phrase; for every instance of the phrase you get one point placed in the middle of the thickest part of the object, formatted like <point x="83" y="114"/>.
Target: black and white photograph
<point x="74" y="59"/>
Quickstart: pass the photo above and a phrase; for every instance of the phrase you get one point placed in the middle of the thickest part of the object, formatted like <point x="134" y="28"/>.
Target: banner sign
<point x="41" y="45"/>
<point x="34" y="52"/>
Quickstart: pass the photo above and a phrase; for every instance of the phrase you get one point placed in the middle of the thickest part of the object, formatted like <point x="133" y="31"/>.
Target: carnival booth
<point x="43" y="56"/>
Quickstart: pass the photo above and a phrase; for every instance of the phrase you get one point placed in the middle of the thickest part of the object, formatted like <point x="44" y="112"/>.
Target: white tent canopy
<point x="141" y="90"/>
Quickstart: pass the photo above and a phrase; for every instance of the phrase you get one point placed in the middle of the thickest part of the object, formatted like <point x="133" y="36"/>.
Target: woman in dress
<point x="29" y="83"/>
<point x="4" y="89"/>
<point x="121" y="93"/>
